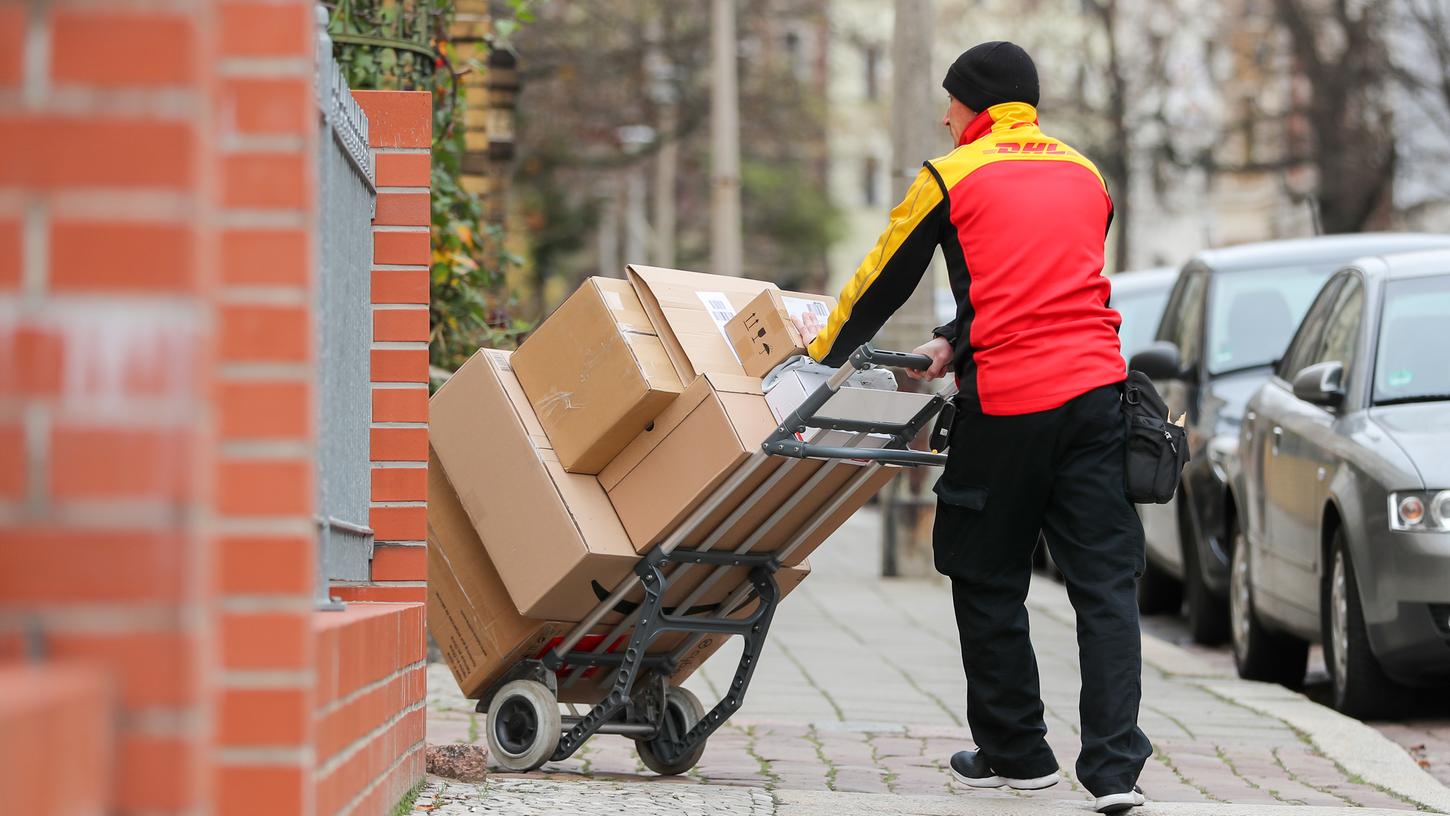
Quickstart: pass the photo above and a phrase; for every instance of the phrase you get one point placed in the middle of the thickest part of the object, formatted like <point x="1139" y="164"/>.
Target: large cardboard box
<point x="481" y="634"/>
<point x="553" y="536"/>
<point x="763" y="333"/>
<point x="470" y="614"/>
<point x="689" y="311"/>
<point x="696" y="444"/>
<point x="596" y="374"/>
<point x="550" y="533"/>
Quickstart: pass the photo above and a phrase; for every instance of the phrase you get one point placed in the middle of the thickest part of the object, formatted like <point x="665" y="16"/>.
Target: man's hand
<point x="809" y="325"/>
<point x="940" y="352"/>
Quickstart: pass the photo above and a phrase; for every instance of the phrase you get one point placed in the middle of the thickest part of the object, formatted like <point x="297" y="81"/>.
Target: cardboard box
<point x="689" y="311"/>
<point x="595" y="374"/>
<point x="549" y="532"/>
<point x="553" y="536"/>
<point x="475" y="625"/>
<point x="763" y="333"/>
<point x="695" y="445"/>
<point x="470" y="614"/>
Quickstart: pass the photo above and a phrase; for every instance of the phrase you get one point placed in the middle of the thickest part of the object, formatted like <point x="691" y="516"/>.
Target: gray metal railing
<point x="347" y="201"/>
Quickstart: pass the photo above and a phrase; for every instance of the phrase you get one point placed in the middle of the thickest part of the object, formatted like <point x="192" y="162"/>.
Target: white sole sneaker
<point x="1119" y="802"/>
<point x="1000" y="781"/>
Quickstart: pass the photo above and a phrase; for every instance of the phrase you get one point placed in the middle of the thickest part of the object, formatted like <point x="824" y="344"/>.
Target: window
<point x="870" y="173"/>
<point x="1410" y="364"/>
<point x="872" y="60"/>
<point x="1306" y="341"/>
<point x="1253" y="313"/>
<point x="1183" y="325"/>
<point x="1341" y="332"/>
<point x="793" y="54"/>
<point x="1141" y="312"/>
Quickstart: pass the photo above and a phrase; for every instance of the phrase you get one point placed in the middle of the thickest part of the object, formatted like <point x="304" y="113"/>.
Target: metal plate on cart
<point x="869" y="404"/>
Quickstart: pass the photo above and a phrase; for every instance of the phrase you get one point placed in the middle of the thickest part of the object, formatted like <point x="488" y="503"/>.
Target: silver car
<point x="1343" y="485"/>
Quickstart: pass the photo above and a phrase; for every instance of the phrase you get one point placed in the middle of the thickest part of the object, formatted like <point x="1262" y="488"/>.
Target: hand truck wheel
<point x="523" y="725"/>
<point x="682" y="710"/>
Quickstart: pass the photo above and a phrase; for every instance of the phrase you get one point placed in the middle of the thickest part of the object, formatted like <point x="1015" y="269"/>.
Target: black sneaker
<point x="971" y="769"/>
<point x="1119" y="802"/>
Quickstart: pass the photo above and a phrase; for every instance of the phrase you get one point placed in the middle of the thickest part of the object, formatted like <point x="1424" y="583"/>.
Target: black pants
<point x="1060" y="471"/>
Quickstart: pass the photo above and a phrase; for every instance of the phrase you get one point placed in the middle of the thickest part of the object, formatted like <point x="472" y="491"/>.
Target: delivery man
<point x="1038" y="441"/>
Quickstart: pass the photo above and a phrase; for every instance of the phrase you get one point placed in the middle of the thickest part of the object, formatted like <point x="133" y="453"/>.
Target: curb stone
<point x="538" y="797"/>
<point x="1358" y="748"/>
<point x="823" y="803"/>
<point x="1354" y="746"/>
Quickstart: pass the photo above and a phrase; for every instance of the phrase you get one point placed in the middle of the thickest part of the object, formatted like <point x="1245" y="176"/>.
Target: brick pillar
<point x="156" y="211"/>
<point x="106" y="319"/>
<point x="157" y="533"/>
<point x="266" y="139"/>
<point x="371" y="676"/>
<point x="400" y="127"/>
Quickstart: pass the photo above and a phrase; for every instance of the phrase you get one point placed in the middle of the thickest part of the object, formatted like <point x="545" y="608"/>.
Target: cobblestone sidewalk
<point x="860" y="689"/>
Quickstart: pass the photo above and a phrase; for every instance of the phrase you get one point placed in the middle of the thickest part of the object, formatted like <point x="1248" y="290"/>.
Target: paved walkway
<point x="1425" y="735"/>
<point x="860" y="691"/>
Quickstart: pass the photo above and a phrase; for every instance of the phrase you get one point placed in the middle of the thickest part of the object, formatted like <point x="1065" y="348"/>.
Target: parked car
<point x="1344" y="534"/>
<point x="1139" y="297"/>
<point x="1228" y="320"/>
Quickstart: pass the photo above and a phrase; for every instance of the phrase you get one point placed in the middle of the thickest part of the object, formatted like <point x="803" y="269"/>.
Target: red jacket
<point x="1021" y="219"/>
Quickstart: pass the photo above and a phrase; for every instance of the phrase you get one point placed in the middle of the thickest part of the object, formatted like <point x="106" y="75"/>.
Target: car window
<point x="1410" y="362"/>
<point x="1307" y="339"/>
<point x="1253" y="313"/>
<point x="1342" y="330"/>
<point x="1141" y="312"/>
<point x="1183" y="324"/>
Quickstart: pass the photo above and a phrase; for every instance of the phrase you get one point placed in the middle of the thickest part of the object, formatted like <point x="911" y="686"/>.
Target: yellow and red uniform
<point x="1021" y="218"/>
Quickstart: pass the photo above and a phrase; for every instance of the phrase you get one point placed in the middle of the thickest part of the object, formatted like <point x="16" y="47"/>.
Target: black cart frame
<point x="668" y="723"/>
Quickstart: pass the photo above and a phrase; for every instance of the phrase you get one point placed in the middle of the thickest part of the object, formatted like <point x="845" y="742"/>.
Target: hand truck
<point x="668" y="723"/>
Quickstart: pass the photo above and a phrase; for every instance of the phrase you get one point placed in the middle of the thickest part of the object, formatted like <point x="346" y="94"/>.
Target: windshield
<point x="1410" y="364"/>
<point x="1141" y="312"/>
<point x="1254" y="313"/>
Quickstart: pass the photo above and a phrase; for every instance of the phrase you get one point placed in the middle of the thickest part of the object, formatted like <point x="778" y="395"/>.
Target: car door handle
<point x="1278" y="438"/>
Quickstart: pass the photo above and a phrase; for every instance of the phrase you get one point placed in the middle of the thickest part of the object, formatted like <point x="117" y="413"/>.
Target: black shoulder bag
<point x="1157" y="448"/>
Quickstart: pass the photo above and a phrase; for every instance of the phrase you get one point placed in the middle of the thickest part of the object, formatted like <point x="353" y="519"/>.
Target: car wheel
<point x="1207" y="613"/>
<point x="1259" y="653"/>
<point x="1361" y="688"/>
<point x="1159" y="593"/>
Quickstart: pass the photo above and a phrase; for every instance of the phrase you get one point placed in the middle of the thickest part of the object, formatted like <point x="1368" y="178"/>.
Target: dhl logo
<point x="1045" y="148"/>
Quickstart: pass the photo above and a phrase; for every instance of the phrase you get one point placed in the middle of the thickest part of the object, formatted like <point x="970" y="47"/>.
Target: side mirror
<point x="1159" y="361"/>
<point x="1321" y="384"/>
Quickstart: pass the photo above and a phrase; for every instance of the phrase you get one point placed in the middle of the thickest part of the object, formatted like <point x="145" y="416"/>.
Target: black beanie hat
<point x="992" y="73"/>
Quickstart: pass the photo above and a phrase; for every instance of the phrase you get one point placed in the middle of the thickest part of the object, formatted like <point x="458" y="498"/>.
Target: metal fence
<point x="348" y="197"/>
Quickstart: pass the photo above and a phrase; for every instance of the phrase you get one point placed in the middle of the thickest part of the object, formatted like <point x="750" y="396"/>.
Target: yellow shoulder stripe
<point x="1025" y="143"/>
<point x="921" y="198"/>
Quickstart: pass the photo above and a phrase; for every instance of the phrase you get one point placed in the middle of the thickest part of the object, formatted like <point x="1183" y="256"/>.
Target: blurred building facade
<point x="1218" y="147"/>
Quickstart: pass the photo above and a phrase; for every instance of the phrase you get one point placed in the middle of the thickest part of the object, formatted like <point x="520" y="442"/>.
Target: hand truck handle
<point x="783" y="442"/>
<point x="866" y="356"/>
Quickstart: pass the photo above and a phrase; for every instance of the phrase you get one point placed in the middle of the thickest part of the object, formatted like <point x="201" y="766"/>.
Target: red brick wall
<point x="371" y="681"/>
<point x="110" y="189"/>
<point x="48" y="712"/>
<point x="400" y="129"/>
<point x="157" y="217"/>
<point x="267" y="134"/>
<point x="371" y="685"/>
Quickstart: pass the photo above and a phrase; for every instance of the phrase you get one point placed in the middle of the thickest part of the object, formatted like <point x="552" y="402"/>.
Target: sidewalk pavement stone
<point x="860" y="690"/>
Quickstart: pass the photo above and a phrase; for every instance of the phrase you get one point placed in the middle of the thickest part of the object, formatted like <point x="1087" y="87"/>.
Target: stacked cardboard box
<point x="556" y="467"/>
